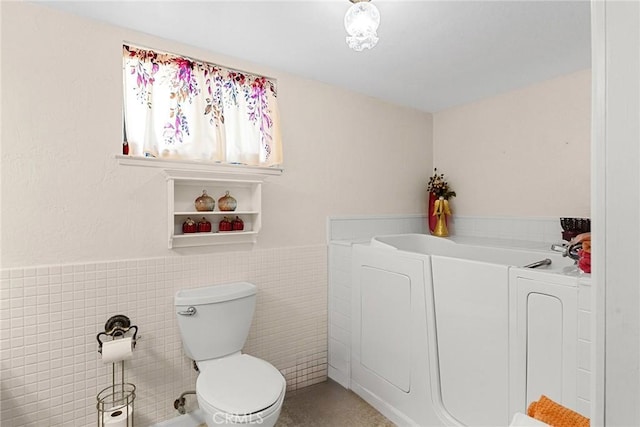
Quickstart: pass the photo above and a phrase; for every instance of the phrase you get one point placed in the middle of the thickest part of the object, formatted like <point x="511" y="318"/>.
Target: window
<point x="180" y="108"/>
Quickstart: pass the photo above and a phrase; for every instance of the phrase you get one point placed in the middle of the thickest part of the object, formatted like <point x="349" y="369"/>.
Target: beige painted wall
<point x="83" y="238"/>
<point x="522" y="153"/>
<point x="65" y="199"/>
<point x="65" y="202"/>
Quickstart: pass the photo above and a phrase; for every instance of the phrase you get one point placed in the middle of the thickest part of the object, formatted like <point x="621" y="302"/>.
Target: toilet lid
<point x="240" y="384"/>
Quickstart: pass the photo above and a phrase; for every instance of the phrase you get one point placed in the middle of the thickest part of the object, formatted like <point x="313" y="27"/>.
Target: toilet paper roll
<point x="117" y="350"/>
<point x="118" y="418"/>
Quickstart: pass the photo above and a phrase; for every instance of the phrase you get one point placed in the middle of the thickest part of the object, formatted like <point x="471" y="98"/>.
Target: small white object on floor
<point x="522" y="420"/>
<point x="192" y="419"/>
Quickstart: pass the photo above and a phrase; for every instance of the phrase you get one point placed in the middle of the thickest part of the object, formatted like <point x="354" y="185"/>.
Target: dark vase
<point x="432" y="219"/>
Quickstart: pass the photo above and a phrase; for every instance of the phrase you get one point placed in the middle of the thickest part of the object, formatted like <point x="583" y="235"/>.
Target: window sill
<point x="192" y="165"/>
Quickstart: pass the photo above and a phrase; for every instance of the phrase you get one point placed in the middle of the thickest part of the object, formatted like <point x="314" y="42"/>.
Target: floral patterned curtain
<point x="176" y="107"/>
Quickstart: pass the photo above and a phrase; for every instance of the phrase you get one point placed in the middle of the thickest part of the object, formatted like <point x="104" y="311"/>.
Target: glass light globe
<point x="361" y="22"/>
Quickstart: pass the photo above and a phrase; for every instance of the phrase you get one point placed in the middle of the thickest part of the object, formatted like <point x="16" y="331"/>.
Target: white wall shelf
<point x="216" y="213"/>
<point x="183" y="187"/>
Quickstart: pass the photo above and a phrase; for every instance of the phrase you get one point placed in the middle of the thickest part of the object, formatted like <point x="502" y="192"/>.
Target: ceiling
<point x="432" y="55"/>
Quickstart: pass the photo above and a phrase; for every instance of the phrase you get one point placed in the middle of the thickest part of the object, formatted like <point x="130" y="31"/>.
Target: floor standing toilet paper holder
<point x="117" y="326"/>
<point x="116" y="402"/>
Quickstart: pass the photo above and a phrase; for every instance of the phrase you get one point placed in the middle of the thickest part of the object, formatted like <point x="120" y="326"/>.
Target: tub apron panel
<point x="472" y="321"/>
<point x="450" y="334"/>
<point x="385" y="326"/>
<point x="389" y="360"/>
<point x="543" y="344"/>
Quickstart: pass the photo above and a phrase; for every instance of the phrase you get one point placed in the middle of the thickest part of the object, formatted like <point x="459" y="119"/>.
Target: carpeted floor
<point x="328" y="404"/>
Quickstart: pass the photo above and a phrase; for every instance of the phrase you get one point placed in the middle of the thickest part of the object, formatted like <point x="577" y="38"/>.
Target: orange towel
<point x="556" y="415"/>
<point x="585" y="239"/>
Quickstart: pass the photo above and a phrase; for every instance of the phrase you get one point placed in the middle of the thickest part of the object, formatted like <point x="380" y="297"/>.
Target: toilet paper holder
<point x="116" y="402"/>
<point x="117" y="326"/>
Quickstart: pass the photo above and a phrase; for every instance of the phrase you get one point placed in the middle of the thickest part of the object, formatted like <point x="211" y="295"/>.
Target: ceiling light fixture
<point x="361" y="22"/>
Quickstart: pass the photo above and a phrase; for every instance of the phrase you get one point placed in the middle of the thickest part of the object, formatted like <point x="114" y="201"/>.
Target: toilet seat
<point x="240" y="385"/>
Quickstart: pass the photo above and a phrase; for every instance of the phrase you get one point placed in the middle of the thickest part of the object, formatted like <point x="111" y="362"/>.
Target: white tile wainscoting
<point x="546" y="230"/>
<point x="358" y="228"/>
<point x="50" y="316"/>
<point x="585" y="340"/>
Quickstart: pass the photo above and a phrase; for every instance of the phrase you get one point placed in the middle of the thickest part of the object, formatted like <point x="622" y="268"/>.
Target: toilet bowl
<point x="239" y="390"/>
<point x="233" y="389"/>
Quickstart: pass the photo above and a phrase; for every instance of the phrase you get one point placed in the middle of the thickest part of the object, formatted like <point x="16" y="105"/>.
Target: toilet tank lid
<point x="213" y="294"/>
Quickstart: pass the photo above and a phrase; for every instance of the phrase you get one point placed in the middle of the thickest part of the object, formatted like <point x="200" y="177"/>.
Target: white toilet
<point x="233" y="389"/>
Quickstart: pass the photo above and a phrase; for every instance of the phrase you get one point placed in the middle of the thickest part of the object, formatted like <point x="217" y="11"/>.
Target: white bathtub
<point x="456" y="332"/>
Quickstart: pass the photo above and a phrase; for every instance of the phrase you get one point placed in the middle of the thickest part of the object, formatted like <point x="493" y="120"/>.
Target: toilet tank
<point x="214" y="321"/>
